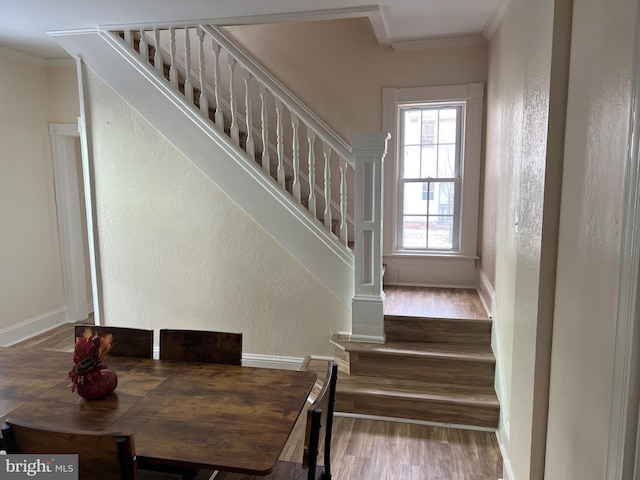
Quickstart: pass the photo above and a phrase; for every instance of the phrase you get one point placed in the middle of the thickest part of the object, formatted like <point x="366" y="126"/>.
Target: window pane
<point x="429" y="161"/>
<point x="440" y="232"/>
<point x="445" y="198"/>
<point x="414" y="202"/>
<point x="448" y="125"/>
<point x="414" y="232"/>
<point x="429" y="126"/>
<point x="411" y="127"/>
<point x="446" y="161"/>
<point x="411" y="162"/>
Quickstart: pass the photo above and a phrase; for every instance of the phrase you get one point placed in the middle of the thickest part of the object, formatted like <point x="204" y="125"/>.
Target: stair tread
<point x="418" y="318"/>
<point x="481" y="353"/>
<point x="482" y="396"/>
<point x="458" y="394"/>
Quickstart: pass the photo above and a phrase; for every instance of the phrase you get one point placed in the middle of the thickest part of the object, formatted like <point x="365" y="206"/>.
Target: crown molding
<point x="23" y="57"/>
<point x="439" y="42"/>
<point x="374" y="13"/>
<point x="495" y="19"/>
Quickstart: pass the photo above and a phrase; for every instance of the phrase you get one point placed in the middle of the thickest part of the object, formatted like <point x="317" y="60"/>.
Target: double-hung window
<point x="432" y="183"/>
<point x="429" y="176"/>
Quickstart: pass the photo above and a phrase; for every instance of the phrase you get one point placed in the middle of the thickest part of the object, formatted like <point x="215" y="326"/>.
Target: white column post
<point x="369" y="150"/>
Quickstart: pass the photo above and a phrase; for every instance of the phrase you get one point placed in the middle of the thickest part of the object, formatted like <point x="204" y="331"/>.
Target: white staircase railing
<point x="282" y="135"/>
<point x="291" y="144"/>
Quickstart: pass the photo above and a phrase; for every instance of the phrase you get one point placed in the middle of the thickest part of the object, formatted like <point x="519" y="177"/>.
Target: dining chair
<point x="105" y="456"/>
<point x="319" y="425"/>
<point x="201" y="346"/>
<point x="127" y="342"/>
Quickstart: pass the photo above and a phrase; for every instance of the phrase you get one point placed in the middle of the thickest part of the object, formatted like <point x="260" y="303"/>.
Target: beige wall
<point x="590" y="235"/>
<point x="30" y="271"/>
<point x="338" y="69"/>
<point x="525" y="119"/>
<point x="175" y="251"/>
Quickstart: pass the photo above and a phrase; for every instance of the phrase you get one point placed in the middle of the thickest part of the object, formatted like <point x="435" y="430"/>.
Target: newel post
<point x="369" y="150"/>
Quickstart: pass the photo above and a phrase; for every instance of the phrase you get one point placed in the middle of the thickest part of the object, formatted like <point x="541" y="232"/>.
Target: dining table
<point x="181" y="414"/>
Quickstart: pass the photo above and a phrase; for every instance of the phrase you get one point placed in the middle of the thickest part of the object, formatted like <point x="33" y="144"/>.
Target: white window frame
<point x="472" y="95"/>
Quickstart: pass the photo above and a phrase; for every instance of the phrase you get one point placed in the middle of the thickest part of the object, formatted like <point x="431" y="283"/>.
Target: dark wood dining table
<point x="206" y="416"/>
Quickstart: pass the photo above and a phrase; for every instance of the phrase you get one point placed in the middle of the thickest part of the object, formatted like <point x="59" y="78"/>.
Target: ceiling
<point x="24" y="23"/>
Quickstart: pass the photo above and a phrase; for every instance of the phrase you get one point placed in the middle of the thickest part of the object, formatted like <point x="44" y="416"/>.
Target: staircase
<point x="431" y="369"/>
<point x="301" y="182"/>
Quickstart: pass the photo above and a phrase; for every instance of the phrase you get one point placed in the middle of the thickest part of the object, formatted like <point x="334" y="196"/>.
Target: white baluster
<point x="343" y="201"/>
<point x="235" y="130"/>
<point x="173" y="71"/>
<point x="203" y="100"/>
<point x="188" y="87"/>
<point x="266" y="158"/>
<point x="128" y="38"/>
<point x="144" y="47"/>
<point x="296" y="157"/>
<point x="219" y="115"/>
<point x="157" y="57"/>
<point x="281" y="177"/>
<point x="326" y="150"/>
<point x="250" y="146"/>
<point x="311" y="138"/>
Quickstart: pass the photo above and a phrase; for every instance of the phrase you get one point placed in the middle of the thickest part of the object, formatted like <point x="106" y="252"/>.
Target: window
<point x="429" y="176"/>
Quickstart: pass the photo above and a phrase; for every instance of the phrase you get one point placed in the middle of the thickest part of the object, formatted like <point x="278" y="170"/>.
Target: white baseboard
<point x="34" y="326"/>
<point x="261" y="361"/>
<point x="486" y="293"/>
<point x="507" y="472"/>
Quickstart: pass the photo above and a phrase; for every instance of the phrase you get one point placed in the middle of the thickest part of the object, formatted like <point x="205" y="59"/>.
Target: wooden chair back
<point x="201" y="346"/>
<point x="320" y="424"/>
<point x="107" y="456"/>
<point x="127" y="342"/>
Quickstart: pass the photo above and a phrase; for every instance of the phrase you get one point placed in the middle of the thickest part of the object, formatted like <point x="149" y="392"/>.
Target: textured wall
<point x="30" y="271"/>
<point x="589" y="245"/>
<point x="521" y="209"/>
<point x="175" y="251"/>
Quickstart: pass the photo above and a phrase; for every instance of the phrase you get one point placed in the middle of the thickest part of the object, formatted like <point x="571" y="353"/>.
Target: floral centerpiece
<point x="89" y="376"/>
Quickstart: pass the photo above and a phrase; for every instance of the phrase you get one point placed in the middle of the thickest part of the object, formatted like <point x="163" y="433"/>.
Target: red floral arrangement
<point x="89" y="376"/>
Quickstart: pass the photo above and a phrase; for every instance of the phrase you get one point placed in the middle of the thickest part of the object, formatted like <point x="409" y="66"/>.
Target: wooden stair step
<point x="444" y="363"/>
<point x="401" y="328"/>
<point x="476" y="353"/>
<point x="415" y="400"/>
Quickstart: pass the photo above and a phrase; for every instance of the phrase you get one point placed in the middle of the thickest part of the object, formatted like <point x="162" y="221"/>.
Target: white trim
<point x="271" y="361"/>
<point x="68" y="198"/>
<point x="12" y="54"/>
<point x="496" y="18"/>
<point x="34" y="326"/>
<point x="260" y="361"/>
<point x="507" y="470"/>
<point x="487" y="294"/>
<point x="87" y="173"/>
<point x="439" y="42"/>
<point x="625" y="391"/>
<point x="472" y="94"/>
<point x="374" y="13"/>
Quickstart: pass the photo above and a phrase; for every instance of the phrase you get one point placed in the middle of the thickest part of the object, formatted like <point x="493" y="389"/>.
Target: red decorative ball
<point x="102" y="383"/>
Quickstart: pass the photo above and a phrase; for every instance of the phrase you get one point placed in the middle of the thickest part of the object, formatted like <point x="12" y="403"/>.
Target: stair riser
<point x="426" y="411"/>
<point x="426" y="369"/>
<point x="437" y="330"/>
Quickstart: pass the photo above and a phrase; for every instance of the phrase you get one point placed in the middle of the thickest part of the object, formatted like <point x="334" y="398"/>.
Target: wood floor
<point x="365" y="449"/>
